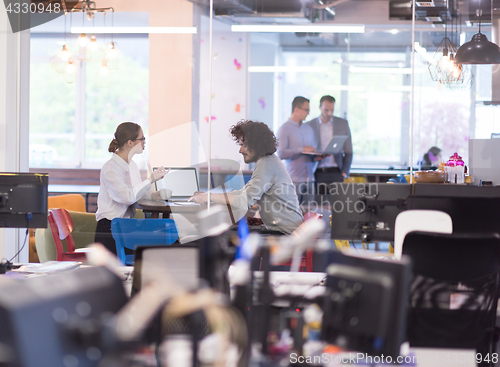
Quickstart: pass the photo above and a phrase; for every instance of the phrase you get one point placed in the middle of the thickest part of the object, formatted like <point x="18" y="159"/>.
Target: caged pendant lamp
<point x="478" y="50"/>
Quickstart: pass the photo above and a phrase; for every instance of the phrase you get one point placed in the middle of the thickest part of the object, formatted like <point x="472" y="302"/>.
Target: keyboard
<point x="178" y="200"/>
<point x="260" y="229"/>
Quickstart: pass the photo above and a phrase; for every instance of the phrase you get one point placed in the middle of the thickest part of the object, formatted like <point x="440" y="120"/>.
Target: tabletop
<point x="165" y="207"/>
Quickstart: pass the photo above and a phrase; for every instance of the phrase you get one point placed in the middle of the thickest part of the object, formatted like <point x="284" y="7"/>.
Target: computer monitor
<point x="23" y="200"/>
<point x="45" y="320"/>
<point x="180" y="263"/>
<point x="366" y="211"/>
<point x="366" y="303"/>
<point x="468" y="214"/>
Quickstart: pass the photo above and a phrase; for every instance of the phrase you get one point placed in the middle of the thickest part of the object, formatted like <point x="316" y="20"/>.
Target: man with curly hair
<point x="270" y="187"/>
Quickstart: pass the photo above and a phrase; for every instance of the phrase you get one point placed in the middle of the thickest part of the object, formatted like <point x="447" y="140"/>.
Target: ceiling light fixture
<point x="70" y="73"/>
<point x="83" y="40"/>
<point x="86" y="49"/>
<point x="299" y="28"/>
<point x="444" y="69"/>
<point x="478" y="50"/>
<point x="61" y="59"/>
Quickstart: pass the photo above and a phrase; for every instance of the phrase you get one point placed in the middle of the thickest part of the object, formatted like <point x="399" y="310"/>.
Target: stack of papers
<point x="48" y="267"/>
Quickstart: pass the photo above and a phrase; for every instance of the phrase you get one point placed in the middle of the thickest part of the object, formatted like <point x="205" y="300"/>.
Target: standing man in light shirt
<point x="296" y="138"/>
<point x="331" y="168"/>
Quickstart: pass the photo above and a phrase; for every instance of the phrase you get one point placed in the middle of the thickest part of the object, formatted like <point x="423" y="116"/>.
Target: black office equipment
<point x="55" y="320"/>
<point x="455" y="290"/>
<point x="469" y="214"/>
<point x="429" y="189"/>
<point x="366" y="211"/>
<point x="366" y="302"/>
<point x="180" y="263"/>
<point x="23" y="200"/>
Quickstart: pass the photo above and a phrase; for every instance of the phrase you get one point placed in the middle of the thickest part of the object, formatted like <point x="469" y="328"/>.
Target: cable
<point x="29" y="216"/>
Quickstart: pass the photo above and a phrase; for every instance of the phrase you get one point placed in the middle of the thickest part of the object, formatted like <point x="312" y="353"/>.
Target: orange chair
<point x="73" y="202"/>
<point x="61" y="225"/>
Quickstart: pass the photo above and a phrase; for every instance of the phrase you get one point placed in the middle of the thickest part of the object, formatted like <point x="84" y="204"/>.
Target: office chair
<point x="419" y="220"/>
<point x="74" y="202"/>
<point x="61" y="225"/>
<point x="129" y="233"/>
<point x="454" y="290"/>
<point x="307" y="260"/>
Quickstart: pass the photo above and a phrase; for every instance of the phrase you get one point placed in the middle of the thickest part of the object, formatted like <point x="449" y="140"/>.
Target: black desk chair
<point x="454" y="290"/>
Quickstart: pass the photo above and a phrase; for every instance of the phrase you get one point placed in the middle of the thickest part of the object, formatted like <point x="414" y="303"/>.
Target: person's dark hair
<point x="298" y="102"/>
<point x="434" y="151"/>
<point x="256" y="136"/>
<point x="326" y="98"/>
<point x="124" y="132"/>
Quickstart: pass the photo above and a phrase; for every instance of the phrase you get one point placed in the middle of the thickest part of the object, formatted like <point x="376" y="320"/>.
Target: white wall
<point x="14" y="118"/>
<point x="229" y="88"/>
<point x="265" y="51"/>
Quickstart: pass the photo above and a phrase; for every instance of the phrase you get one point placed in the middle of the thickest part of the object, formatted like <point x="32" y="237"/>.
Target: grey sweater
<point x="271" y="188"/>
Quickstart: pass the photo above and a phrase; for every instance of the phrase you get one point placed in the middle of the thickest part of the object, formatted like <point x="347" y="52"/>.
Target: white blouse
<point x="121" y="186"/>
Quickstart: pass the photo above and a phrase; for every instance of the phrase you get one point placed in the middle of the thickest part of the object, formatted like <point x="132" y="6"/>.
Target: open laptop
<point x="182" y="181"/>
<point x="334" y="146"/>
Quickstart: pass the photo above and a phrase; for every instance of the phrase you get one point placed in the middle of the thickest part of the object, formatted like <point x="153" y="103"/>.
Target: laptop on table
<point x="182" y="181"/>
<point x="334" y="146"/>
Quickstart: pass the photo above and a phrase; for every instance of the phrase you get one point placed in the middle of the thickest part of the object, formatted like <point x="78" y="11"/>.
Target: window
<point x="71" y="125"/>
<point x="371" y="102"/>
<point x="52" y="109"/>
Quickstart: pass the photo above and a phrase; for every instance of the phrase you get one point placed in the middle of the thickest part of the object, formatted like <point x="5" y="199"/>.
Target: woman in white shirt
<point x="121" y="184"/>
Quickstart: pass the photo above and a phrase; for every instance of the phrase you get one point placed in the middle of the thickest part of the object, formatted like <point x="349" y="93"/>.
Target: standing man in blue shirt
<point x="331" y="168"/>
<point x="296" y="138"/>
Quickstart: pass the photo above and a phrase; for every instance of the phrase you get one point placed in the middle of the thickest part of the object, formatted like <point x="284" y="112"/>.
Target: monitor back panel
<point x="468" y="214"/>
<point x="354" y="219"/>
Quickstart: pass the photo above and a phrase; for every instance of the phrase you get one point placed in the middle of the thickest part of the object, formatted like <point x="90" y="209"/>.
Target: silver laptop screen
<point x="182" y="182"/>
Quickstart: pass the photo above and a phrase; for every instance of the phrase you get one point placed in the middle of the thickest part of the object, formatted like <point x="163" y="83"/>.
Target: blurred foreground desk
<point x="417" y="357"/>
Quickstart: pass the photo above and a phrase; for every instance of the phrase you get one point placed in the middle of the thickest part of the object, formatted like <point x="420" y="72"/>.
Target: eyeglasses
<point x="304" y="109"/>
<point x="141" y="139"/>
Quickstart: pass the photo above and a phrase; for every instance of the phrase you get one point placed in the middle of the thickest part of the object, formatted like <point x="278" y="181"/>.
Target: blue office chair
<point x="129" y="233"/>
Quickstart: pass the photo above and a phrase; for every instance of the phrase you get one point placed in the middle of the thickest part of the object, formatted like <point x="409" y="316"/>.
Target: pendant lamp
<point x="478" y="50"/>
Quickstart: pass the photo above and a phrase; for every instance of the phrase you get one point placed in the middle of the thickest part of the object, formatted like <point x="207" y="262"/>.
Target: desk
<point x="378" y="175"/>
<point x="75" y="189"/>
<point x="157" y="207"/>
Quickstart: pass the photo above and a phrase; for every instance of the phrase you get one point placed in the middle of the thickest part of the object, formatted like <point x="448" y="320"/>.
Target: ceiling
<point x="387" y="22"/>
<point x="321" y="11"/>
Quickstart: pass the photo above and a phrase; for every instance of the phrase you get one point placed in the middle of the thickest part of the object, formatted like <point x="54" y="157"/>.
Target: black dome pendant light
<point x="478" y="50"/>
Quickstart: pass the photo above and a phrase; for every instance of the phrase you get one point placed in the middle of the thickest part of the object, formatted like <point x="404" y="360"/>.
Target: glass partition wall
<point x="163" y="82"/>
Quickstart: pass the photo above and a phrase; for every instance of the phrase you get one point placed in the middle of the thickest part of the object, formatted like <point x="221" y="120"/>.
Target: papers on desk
<point x="48" y="267"/>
